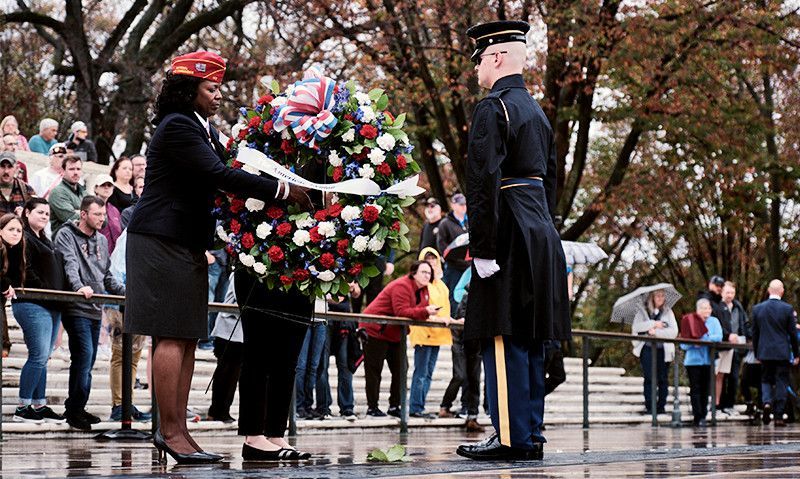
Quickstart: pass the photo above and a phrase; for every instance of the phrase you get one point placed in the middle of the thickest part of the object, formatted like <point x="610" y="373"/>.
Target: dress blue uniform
<point x="511" y="172"/>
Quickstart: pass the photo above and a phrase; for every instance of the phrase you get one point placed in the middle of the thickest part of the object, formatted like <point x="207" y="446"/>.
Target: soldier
<point x="518" y="293"/>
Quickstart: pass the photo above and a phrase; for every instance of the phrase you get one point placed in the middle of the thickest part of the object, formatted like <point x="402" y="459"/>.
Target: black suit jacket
<point x="184" y="169"/>
<point x="774" y="332"/>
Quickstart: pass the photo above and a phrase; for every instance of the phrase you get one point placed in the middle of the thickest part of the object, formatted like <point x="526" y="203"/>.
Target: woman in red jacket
<point x="406" y="297"/>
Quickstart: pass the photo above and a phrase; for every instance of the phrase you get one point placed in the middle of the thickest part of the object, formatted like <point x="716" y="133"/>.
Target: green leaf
<point x="375" y="94"/>
<point x="326" y="287"/>
<point x="382" y="102"/>
<point x="371" y="271"/>
<point x="351" y="86"/>
<point x="275" y="86"/>
<point x="299" y="216"/>
<point x="376" y="455"/>
<point x="363" y="280"/>
<point x="405" y="245"/>
<point x="395" y="453"/>
<point x="374" y="229"/>
<point x="406" y="202"/>
<point x="254" y="252"/>
<point x="382" y="233"/>
<point x="403" y="229"/>
<point x="399" y="121"/>
<point x="344" y="288"/>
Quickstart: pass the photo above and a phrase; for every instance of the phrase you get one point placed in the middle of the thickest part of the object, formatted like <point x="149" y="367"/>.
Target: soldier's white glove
<point x="485" y="267"/>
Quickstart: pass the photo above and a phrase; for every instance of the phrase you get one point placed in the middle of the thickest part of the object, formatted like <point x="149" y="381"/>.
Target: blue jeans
<point x="344" y="389"/>
<point x="424" y="363"/>
<point x="307" y="365"/>
<point x="83" y="335"/>
<point x="39" y="328"/>
<point x="217" y="287"/>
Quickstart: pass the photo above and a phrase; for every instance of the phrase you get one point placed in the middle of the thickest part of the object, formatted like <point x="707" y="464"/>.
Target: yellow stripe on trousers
<point x="502" y="391"/>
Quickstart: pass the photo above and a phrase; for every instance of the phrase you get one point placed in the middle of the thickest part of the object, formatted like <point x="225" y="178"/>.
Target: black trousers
<point x="751" y="379"/>
<point x="375" y="352"/>
<point x="274" y="324"/>
<point x="699" y="384"/>
<point x="226" y="377"/>
<point x="553" y="366"/>
<point x="466" y="374"/>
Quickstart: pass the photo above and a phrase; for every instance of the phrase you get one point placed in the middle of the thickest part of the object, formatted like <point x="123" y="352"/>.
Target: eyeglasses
<point x="480" y="57"/>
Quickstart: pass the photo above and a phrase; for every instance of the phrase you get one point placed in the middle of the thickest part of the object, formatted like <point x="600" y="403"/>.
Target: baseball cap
<point x="58" y="148"/>
<point x="432" y="201"/>
<point x="459" y="199"/>
<point x="8" y="156"/>
<point x="102" y="179"/>
<point x="717" y="280"/>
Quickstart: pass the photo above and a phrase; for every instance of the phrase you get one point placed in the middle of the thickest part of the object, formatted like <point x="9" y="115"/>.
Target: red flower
<point x="267" y="128"/>
<point x="274" y="212"/>
<point x="338" y="173"/>
<point x="355" y="270"/>
<point x="286" y="280"/>
<point x="235" y="227"/>
<point x="242" y="133"/>
<point x="327" y="260"/>
<point x="275" y="254"/>
<point x="315" y="236"/>
<point x="369" y="132"/>
<point x="395" y="226"/>
<point x="334" y="210"/>
<point x="283" y="229"/>
<point x="265" y="99"/>
<point x="384" y="169"/>
<point x="236" y="205"/>
<point x="237" y="164"/>
<point x="341" y="246"/>
<point x="229" y="249"/>
<point x="255" y="121"/>
<point x="229" y="143"/>
<point x="301" y="274"/>
<point x="362" y="156"/>
<point x="349" y="117"/>
<point x="401" y="162"/>
<point x="247" y="240"/>
<point x="370" y="214"/>
<point x="218" y="201"/>
<point x="321" y="215"/>
<point x="287" y="147"/>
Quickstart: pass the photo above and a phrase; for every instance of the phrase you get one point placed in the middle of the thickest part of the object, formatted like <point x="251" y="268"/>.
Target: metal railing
<point x="587" y="337"/>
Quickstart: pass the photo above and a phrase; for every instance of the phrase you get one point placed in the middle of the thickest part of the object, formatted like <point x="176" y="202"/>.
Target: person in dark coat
<point x="430" y="230"/>
<point x="518" y="292"/>
<point x="775" y="345"/>
<point x="171" y="229"/>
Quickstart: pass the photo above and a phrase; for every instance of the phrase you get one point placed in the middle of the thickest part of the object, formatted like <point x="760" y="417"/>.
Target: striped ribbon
<point x="307" y="110"/>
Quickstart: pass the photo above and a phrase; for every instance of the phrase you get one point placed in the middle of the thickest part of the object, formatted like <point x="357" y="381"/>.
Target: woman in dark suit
<point x="170" y="230"/>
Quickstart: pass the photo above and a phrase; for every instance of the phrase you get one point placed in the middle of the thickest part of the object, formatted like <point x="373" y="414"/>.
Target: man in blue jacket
<point x="775" y="345"/>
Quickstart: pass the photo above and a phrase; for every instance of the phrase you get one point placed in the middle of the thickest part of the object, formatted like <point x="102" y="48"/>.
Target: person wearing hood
<point x="87" y="269"/>
<point x="426" y="340"/>
<point x="79" y="142"/>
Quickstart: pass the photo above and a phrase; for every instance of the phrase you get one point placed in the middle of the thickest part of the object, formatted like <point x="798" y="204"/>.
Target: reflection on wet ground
<point x="729" y="451"/>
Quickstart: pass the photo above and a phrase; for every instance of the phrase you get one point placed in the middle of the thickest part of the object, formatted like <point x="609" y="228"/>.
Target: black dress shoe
<point x="490" y="449"/>
<point x="193" y="458"/>
<point x="766" y="417"/>
<point x="250" y="453"/>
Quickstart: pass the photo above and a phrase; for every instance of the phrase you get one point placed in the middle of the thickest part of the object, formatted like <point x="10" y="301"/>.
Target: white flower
<point x="326" y="228"/>
<point x="306" y="222"/>
<point x="363" y="98"/>
<point x="278" y="101"/>
<point x="326" y="275"/>
<point x="301" y="237"/>
<point x="375" y="244"/>
<point x="349" y="213"/>
<point x="386" y="141"/>
<point x="250" y="169"/>
<point x="366" y="171"/>
<point x="349" y="135"/>
<point x="222" y="234"/>
<point x="263" y="230"/>
<point x="247" y="260"/>
<point x="376" y="156"/>
<point x="253" y="204"/>
<point x="360" y="243"/>
<point x="367" y="115"/>
<point x="260" y="268"/>
<point x="334" y="159"/>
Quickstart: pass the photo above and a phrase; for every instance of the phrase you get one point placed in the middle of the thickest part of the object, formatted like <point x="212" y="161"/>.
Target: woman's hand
<point x="456" y="321"/>
<point x="9" y="293"/>
<point x="299" y="194"/>
<point x="355" y="290"/>
<point x="432" y="310"/>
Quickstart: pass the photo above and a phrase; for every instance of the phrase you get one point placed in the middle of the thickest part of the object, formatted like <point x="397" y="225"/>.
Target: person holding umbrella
<point x="655" y="319"/>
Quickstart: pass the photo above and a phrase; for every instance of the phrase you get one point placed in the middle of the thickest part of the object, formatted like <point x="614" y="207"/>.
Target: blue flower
<point x="243" y="111"/>
<point x="260" y="108"/>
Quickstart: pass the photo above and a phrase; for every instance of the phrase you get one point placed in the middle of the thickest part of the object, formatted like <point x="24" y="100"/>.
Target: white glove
<point x="485" y="267"/>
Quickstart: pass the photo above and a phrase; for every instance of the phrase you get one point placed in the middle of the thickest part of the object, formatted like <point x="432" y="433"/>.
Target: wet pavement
<point x="623" y="451"/>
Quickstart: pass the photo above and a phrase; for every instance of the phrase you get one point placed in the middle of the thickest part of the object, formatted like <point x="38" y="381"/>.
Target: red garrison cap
<point x="200" y="64"/>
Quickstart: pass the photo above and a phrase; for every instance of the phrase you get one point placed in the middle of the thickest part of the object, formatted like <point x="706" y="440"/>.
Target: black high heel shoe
<point x="250" y="453"/>
<point x="193" y="458"/>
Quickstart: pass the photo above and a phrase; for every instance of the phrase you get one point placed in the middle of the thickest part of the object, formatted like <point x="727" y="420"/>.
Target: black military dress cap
<point x="492" y="33"/>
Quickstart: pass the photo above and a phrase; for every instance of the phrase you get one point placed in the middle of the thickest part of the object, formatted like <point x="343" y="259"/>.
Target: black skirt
<point x="167" y="289"/>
